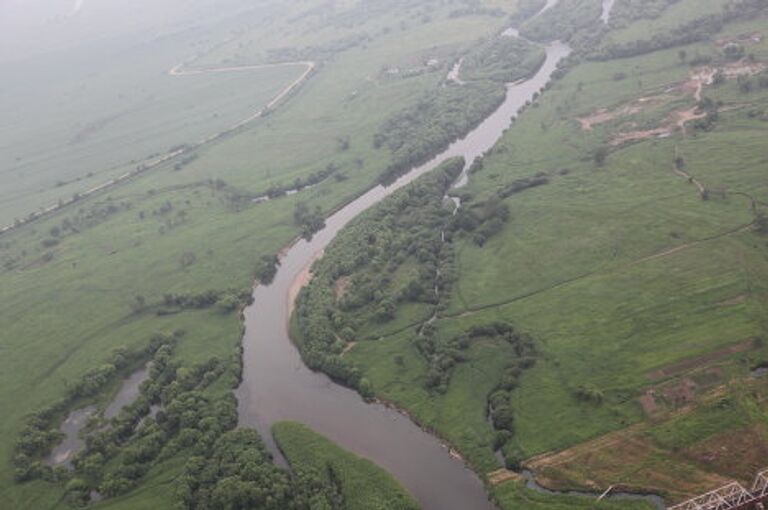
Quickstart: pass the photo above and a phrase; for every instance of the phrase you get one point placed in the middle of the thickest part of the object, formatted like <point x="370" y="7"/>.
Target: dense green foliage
<point x="626" y="11"/>
<point x="357" y="483"/>
<point x="392" y="254"/>
<point x="419" y="132"/>
<point x="172" y="414"/>
<point x="697" y="29"/>
<point x="502" y="59"/>
<point x="618" y="269"/>
<point x="526" y="9"/>
<point x="40" y="433"/>
<point x="309" y="221"/>
<point x="563" y="20"/>
<point x="237" y="473"/>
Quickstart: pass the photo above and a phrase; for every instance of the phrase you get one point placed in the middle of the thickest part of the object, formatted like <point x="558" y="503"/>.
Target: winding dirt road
<point x="179" y="70"/>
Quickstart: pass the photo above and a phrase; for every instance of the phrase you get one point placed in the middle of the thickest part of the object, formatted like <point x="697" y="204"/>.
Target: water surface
<point x="278" y="386"/>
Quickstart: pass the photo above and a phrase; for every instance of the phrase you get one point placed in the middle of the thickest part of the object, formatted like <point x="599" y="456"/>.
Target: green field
<point x="70" y="282"/>
<point x="617" y="268"/>
<point x="361" y="484"/>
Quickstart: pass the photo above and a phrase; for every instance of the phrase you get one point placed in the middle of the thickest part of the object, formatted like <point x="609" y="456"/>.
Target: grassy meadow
<point x="361" y="484"/>
<point x="629" y="278"/>
<point x="69" y="283"/>
<point x="624" y="276"/>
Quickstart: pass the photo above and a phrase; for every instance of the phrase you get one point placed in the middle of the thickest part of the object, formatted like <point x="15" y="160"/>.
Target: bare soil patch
<point x="341" y="286"/>
<point x="347" y="348"/>
<point x="633" y="108"/>
<point x="743" y="39"/>
<point x="699" y="78"/>
<point x="627" y="460"/>
<point x="633" y="136"/>
<point x="738" y="453"/>
<point x="698" y="361"/>
<point x="679" y="393"/>
<point x="503" y="475"/>
<point x="737" y="300"/>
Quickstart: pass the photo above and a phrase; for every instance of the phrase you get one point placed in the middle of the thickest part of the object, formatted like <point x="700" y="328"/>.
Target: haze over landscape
<point x="367" y="254"/>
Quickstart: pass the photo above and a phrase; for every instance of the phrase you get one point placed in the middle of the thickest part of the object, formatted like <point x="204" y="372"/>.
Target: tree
<point x="365" y="388"/>
<point x="266" y="268"/>
<point x="228" y="303"/>
<point x="600" y="155"/>
<point x="139" y="303"/>
<point x="761" y="222"/>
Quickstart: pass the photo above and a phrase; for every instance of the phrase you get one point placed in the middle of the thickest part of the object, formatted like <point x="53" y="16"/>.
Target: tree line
<point x="392" y="254"/>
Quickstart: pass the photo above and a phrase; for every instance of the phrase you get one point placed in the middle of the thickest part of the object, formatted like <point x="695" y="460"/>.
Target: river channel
<point x="278" y="386"/>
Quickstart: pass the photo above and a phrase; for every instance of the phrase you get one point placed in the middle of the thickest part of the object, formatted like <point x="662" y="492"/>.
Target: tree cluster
<point x="419" y="132"/>
<point x="563" y="20"/>
<point x="693" y="31"/>
<point x="392" y="254"/>
<point x="237" y="473"/>
<point x="503" y="60"/>
<point x="482" y="220"/>
<point x="309" y="220"/>
<point x="500" y="410"/>
<point x="40" y="433"/>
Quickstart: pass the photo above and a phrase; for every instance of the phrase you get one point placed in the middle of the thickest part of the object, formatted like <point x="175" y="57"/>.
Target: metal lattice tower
<point x="760" y="487"/>
<point x="727" y="497"/>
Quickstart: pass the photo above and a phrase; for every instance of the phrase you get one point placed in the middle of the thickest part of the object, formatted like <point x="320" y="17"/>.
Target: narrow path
<point x="453" y="74"/>
<point x="179" y="70"/>
<point x="665" y="253"/>
<point x="685" y="175"/>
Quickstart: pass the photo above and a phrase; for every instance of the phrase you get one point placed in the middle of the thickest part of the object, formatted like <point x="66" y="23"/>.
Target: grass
<point x="362" y="484"/>
<point x="583" y="266"/>
<point x="515" y="495"/>
<point x="673" y="16"/>
<point x="459" y="414"/>
<point x="131" y="110"/>
<point x="67" y="306"/>
<point x="566" y="268"/>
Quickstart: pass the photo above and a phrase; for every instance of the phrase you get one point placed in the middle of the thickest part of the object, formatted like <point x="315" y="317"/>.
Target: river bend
<point x="278" y="386"/>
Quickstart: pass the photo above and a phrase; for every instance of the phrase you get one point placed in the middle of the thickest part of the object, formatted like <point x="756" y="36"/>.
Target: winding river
<point x="278" y="386"/>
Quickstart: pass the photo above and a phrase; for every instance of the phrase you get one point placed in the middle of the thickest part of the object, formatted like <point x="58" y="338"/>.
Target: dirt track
<point x="178" y="70"/>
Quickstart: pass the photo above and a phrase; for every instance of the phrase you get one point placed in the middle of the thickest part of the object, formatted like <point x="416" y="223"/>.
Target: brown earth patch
<point x="503" y="475"/>
<point x="681" y="117"/>
<point x="598" y="117"/>
<point x="627" y="460"/>
<point x="737" y="300"/>
<point x="633" y="136"/>
<point x="348" y="348"/>
<point x="737" y="453"/>
<point x="677" y="119"/>
<point x="690" y="363"/>
<point x="744" y="39"/>
<point x="679" y="393"/>
<point x="648" y="403"/>
<point x="604" y="114"/>
<point x="341" y="286"/>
